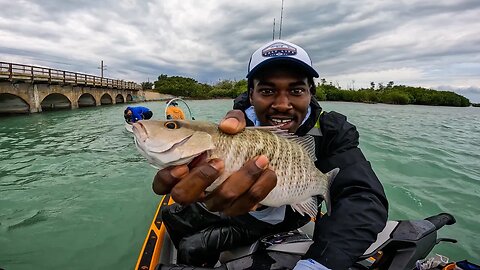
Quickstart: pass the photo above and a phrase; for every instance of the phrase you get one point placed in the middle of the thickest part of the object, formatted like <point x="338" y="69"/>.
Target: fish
<point x="292" y="158"/>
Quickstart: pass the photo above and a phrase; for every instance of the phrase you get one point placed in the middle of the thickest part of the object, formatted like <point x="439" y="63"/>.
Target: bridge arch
<point x="119" y="99"/>
<point x="55" y="101"/>
<point x="106" y="99"/>
<point x="13" y="104"/>
<point x="129" y="98"/>
<point x="86" y="100"/>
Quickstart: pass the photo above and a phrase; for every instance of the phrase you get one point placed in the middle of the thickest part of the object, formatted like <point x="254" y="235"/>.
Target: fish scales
<point x="294" y="171"/>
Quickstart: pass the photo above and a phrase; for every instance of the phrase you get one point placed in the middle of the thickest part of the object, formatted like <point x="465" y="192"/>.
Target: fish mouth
<point x="140" y="131"/>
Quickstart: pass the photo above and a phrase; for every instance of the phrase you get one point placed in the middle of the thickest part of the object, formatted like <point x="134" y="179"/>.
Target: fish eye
<point x="171" y="125"/>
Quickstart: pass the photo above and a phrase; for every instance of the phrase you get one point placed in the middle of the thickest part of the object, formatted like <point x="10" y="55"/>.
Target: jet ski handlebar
<point x="441" y="220"/>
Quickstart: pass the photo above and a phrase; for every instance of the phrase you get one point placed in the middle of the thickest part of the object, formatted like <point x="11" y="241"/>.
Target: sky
<point x="428" y="43"/>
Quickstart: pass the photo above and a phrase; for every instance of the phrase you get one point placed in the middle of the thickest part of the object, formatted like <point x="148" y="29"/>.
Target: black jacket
<point x="359" y="205"/>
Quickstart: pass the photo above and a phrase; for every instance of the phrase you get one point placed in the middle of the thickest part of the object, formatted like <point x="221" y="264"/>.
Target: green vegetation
<point x="188" y="87"/>
<point x="390" y="93"/>
<point x="147" y="85"/>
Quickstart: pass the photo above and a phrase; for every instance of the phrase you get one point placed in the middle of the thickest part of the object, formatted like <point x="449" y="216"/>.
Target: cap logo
<point x="279" y="49"/>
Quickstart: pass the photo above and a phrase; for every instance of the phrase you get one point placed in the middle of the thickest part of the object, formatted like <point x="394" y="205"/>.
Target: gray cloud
<point x="472" y="92"/>
<point x="431" y="43"/>
<point x="466" y="90"/>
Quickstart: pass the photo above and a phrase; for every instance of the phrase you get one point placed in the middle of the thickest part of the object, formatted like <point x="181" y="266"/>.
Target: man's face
<point x="129" y="113"/>
<point x="281" y="96"/>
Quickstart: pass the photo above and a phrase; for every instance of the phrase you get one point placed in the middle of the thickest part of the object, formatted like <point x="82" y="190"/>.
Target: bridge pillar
<point x="113" y="96"/>
<point x="36" y="102"/>
<point x="97" y="97"/>
<point x="74" y="103"/>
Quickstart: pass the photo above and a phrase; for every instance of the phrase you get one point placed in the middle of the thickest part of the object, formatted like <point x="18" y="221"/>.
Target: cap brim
<point x="308" y="69"/>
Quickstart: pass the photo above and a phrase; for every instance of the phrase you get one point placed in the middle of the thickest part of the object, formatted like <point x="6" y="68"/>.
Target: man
<point x="133" y="114"/>
<point x="174" y="112"/>
<point x="281" y="92"/>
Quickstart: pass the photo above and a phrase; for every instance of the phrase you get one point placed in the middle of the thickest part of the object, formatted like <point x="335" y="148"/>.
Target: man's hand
<point x="244" y="189"/>
<point x="237" y="195"/>
<point x="233" y="122"/>
<point x="187" y="185"/>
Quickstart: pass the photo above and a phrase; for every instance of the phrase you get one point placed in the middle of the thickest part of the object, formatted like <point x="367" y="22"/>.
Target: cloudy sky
<point x="430" y="43"/>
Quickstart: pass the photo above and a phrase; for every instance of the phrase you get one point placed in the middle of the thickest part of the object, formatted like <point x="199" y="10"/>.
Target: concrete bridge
<point x="30" y="89"/>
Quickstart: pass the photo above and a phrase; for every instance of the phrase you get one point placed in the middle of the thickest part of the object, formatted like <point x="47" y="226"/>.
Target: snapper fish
<point x="299" y="182"/>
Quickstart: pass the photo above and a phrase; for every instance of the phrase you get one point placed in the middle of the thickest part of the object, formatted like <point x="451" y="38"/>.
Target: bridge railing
<point x="20" y="72"/>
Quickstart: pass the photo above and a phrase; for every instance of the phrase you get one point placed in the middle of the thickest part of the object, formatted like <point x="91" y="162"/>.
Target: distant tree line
<point x="377" y="93"/>
<point x="188" y="87"/>
<point x="391" y="94"/>
<point x="147" y="85"/>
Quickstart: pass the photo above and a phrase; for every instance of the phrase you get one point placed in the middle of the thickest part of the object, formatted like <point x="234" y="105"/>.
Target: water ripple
<point x="34" y="218"/>
<point x="75" y="176"/>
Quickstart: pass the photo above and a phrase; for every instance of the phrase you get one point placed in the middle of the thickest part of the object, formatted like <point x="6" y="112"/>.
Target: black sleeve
<point x="359" y="205"/>
<point x="242" y="103"/>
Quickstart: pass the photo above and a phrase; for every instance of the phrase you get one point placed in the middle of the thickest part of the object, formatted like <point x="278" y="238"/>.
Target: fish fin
<point x="307" y="141"/>
<point x="309" y="207"/>
<point x="275" y="130"/>
<point x="326" y="196"/>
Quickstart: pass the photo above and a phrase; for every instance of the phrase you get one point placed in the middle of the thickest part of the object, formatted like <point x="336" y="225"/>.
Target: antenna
<point x="273" y="35"/>
<point x="281" y="21"/>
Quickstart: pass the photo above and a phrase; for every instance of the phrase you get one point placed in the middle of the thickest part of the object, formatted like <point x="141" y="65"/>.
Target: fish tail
<point x="326" y="195"/>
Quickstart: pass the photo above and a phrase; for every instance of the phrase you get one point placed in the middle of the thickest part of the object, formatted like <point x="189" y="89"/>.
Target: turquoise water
<point x="75" y="194"/>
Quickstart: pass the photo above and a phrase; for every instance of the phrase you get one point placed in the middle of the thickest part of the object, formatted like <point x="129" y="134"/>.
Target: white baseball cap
<point x="280" y="50"/>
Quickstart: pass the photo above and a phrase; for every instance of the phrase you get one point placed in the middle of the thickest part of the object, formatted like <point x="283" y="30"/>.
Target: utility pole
<point x="102" y="68"/>
<point x="281" y="21"/>
<point x="273" y="35"/>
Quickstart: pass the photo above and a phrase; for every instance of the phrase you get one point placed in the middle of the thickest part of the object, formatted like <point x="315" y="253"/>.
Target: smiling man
<point x="281" y="93"/>
<point x="280" y="97"/>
